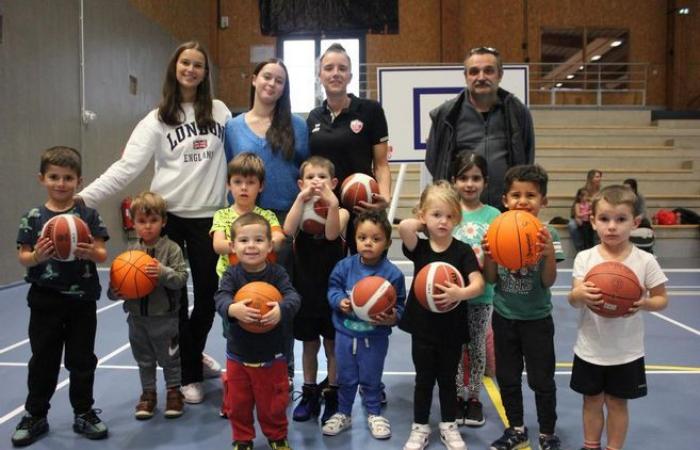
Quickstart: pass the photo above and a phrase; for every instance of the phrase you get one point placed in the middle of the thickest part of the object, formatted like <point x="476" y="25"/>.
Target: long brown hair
<point x="280" y="135"/>
<point x="170" y="109"/>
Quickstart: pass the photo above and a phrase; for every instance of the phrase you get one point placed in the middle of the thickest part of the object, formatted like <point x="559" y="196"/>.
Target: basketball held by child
<point x="313" y="217"/>
<point x="65" y="231"/>
<point x="425" y="285"/>
<point x="128" y="275"/>
<point x="260" y="293"/>
<point x="619" y="286"/>
<point x="356" y="188"/>
<point x="512" y="238"/>
<point x="372" y="296"/>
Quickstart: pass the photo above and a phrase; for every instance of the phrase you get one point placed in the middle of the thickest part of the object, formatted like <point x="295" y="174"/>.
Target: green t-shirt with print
<point x="471" y="230"/>
<point x="519" y="294"/>
<point x="224" y="218"/>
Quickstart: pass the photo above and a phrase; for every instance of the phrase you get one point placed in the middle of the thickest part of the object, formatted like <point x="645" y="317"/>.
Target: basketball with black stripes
<point x="371" y="296"/>
<point x="65" y="231"/>
<point x="261" y="293"/>
<point x="618" y="284"/>
<point x="128" y="277"/>
<point x="425" y="285"/>
<point x="512" y="238"/>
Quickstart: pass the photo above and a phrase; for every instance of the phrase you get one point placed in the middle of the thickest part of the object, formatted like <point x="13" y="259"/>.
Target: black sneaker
<point x="550" y="442"/>
<point x="461" y="410"/>
<point x="474" y="413"/>
<point x="29" y="429"/>
<point x="512" y="439"/>
<point x="330" y="400"/>
<point x="90" y="425"/>
<point x="309" y="405"/>
<point x="242" y="445"/>
<point x="280" y="444"/>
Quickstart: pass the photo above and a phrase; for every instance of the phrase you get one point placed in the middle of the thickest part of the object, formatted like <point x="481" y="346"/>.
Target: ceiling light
<point x="595" y="57"/>
<point x="559" y="85"/>
<point x="580" y="67"/>
<point x="570" y="76"/>
<point x="615" y="43"/>
<point x="683" y="11"/>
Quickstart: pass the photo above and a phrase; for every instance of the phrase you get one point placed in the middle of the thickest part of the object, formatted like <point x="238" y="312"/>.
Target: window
<point x="300" y="55"/>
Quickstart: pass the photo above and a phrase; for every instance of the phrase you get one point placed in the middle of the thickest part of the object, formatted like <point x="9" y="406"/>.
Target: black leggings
<point x="192" y="235"/>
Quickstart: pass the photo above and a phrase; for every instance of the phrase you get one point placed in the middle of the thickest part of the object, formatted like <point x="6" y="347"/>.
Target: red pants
<point x="264" y="389"/>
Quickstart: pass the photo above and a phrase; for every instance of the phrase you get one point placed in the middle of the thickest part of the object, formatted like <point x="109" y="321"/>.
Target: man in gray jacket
<point x="485" y="119"/>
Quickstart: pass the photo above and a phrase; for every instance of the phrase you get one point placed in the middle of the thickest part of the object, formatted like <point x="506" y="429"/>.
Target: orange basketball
<point x="618" y="284"/>
<point x="512" y="238"/>
<point x="357" y="187"/>
<point x="261" y="293"/>
<point x="65" y="231"/>
<point x="128" y="275"/>
<point x="426" y="279"/>
<point x="371" y="296"/>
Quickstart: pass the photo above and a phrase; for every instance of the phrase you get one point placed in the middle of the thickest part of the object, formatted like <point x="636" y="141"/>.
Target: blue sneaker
<point x="309" y="405"/>
<point x="330" y="399"/>
<point x="29" y="429"/>
<point x="512" y="439"/>
<point x="90" y="425"/>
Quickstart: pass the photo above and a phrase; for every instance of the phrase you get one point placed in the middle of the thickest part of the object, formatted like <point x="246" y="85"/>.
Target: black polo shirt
<point x="348" y="140"/>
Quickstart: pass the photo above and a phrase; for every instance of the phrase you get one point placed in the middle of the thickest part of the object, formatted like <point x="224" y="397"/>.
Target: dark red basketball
<point x="66" y="231"/>
<point x="424" y="285"/>
<point x="618" y="284"/>
<point x="313" y="217"/>
<point x="356" y="188"/>
<point x="371" y="296"/>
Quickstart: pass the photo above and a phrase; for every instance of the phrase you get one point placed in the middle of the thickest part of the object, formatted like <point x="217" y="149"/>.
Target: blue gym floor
<point x="665" y="419"/>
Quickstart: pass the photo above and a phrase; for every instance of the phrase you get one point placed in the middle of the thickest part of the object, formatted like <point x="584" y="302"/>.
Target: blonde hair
<point x="149" y="203"/>
<point x="440" y="191"/>
<point x="615" y="195"/>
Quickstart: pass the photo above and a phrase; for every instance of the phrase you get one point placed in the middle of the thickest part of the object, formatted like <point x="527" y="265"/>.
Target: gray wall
<point x="40" y="95"/>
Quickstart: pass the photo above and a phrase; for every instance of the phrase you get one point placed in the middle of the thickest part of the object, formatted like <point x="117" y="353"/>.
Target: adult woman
<point x="594" y="177"/>
<point x="350" y="131"/>
<point x="271" y="131"/>
<point x="185" y="137"/>
<point x="281" y="139"/>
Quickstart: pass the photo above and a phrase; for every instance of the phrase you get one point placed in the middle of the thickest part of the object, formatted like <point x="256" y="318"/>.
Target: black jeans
<point x="434" y="362"/>
<point x="55" y="321"/>
<point x="192" y="235"/>
<point x="532" y="340"/>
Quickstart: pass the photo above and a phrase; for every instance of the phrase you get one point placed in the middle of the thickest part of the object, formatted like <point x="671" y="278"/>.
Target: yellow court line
<point x="495" y="396"/>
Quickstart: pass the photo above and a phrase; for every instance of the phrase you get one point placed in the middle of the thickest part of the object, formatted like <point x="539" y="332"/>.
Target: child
<point x="153" y="319"/>
<point x="582" y="215"/>
<point x="609" y="353"/>
<point x="314" y="259"/>
<point x="522" y="320"/>
<point x="470" y="179"/>
<point x="360" y="346"/>
<point x="62" y="297"/>
<point x="246" y="179"/>
<point x="437" y="339"/>
<point x="256" y="365"/>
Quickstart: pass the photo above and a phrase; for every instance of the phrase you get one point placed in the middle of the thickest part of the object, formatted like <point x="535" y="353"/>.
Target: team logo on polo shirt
<point x="356" y="126"/>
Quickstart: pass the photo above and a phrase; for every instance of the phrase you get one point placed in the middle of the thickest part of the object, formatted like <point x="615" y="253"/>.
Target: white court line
<point x="677" y="323"/>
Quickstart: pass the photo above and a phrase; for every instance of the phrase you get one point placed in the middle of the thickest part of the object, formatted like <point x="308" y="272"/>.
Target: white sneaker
<point x="210" y="367"/>
<point x="337" y="423"/>
<point x="192" y="393"/>
<point x="418" y="439"/>
<point x="449" y="435"/>
<point x="379" y="427"/>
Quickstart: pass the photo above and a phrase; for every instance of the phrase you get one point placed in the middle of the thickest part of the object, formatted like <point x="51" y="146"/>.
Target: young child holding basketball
<point x="256" y="366"/>
<point x="62" y="296"/>
<point x="609" y="352"/>
<point x="522" y="322"/>
<point x="361" y="346"/>
<point x="153" y="319"/>
<point x="437" y="338"/>
<point x="314" y="256"/>
<point x="470" y="177"/>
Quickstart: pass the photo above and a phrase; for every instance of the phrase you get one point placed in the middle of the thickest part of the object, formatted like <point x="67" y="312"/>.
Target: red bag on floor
<point x="490" y="370"/>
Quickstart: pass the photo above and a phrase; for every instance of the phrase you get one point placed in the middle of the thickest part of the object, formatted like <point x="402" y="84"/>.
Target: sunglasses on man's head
<point x="482" y="50"/>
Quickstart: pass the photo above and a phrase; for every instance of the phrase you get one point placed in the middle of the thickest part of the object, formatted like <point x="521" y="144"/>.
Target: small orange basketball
<point x="512" y="238"/>
<point x="424" y="285"/>
<point x="128" y="275"/>
<point x="371" y="296"/>
<point x="618" y="284"/>
<point x="356" y="188"/>
<point x="66" y="231"/>
<point x="261" y="293"/>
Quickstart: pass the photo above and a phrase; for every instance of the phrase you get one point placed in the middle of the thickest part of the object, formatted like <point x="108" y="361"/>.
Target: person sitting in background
<point x="581" y="213"/>
<point x="594" y="177"/>
<point x="642" y="236"/>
